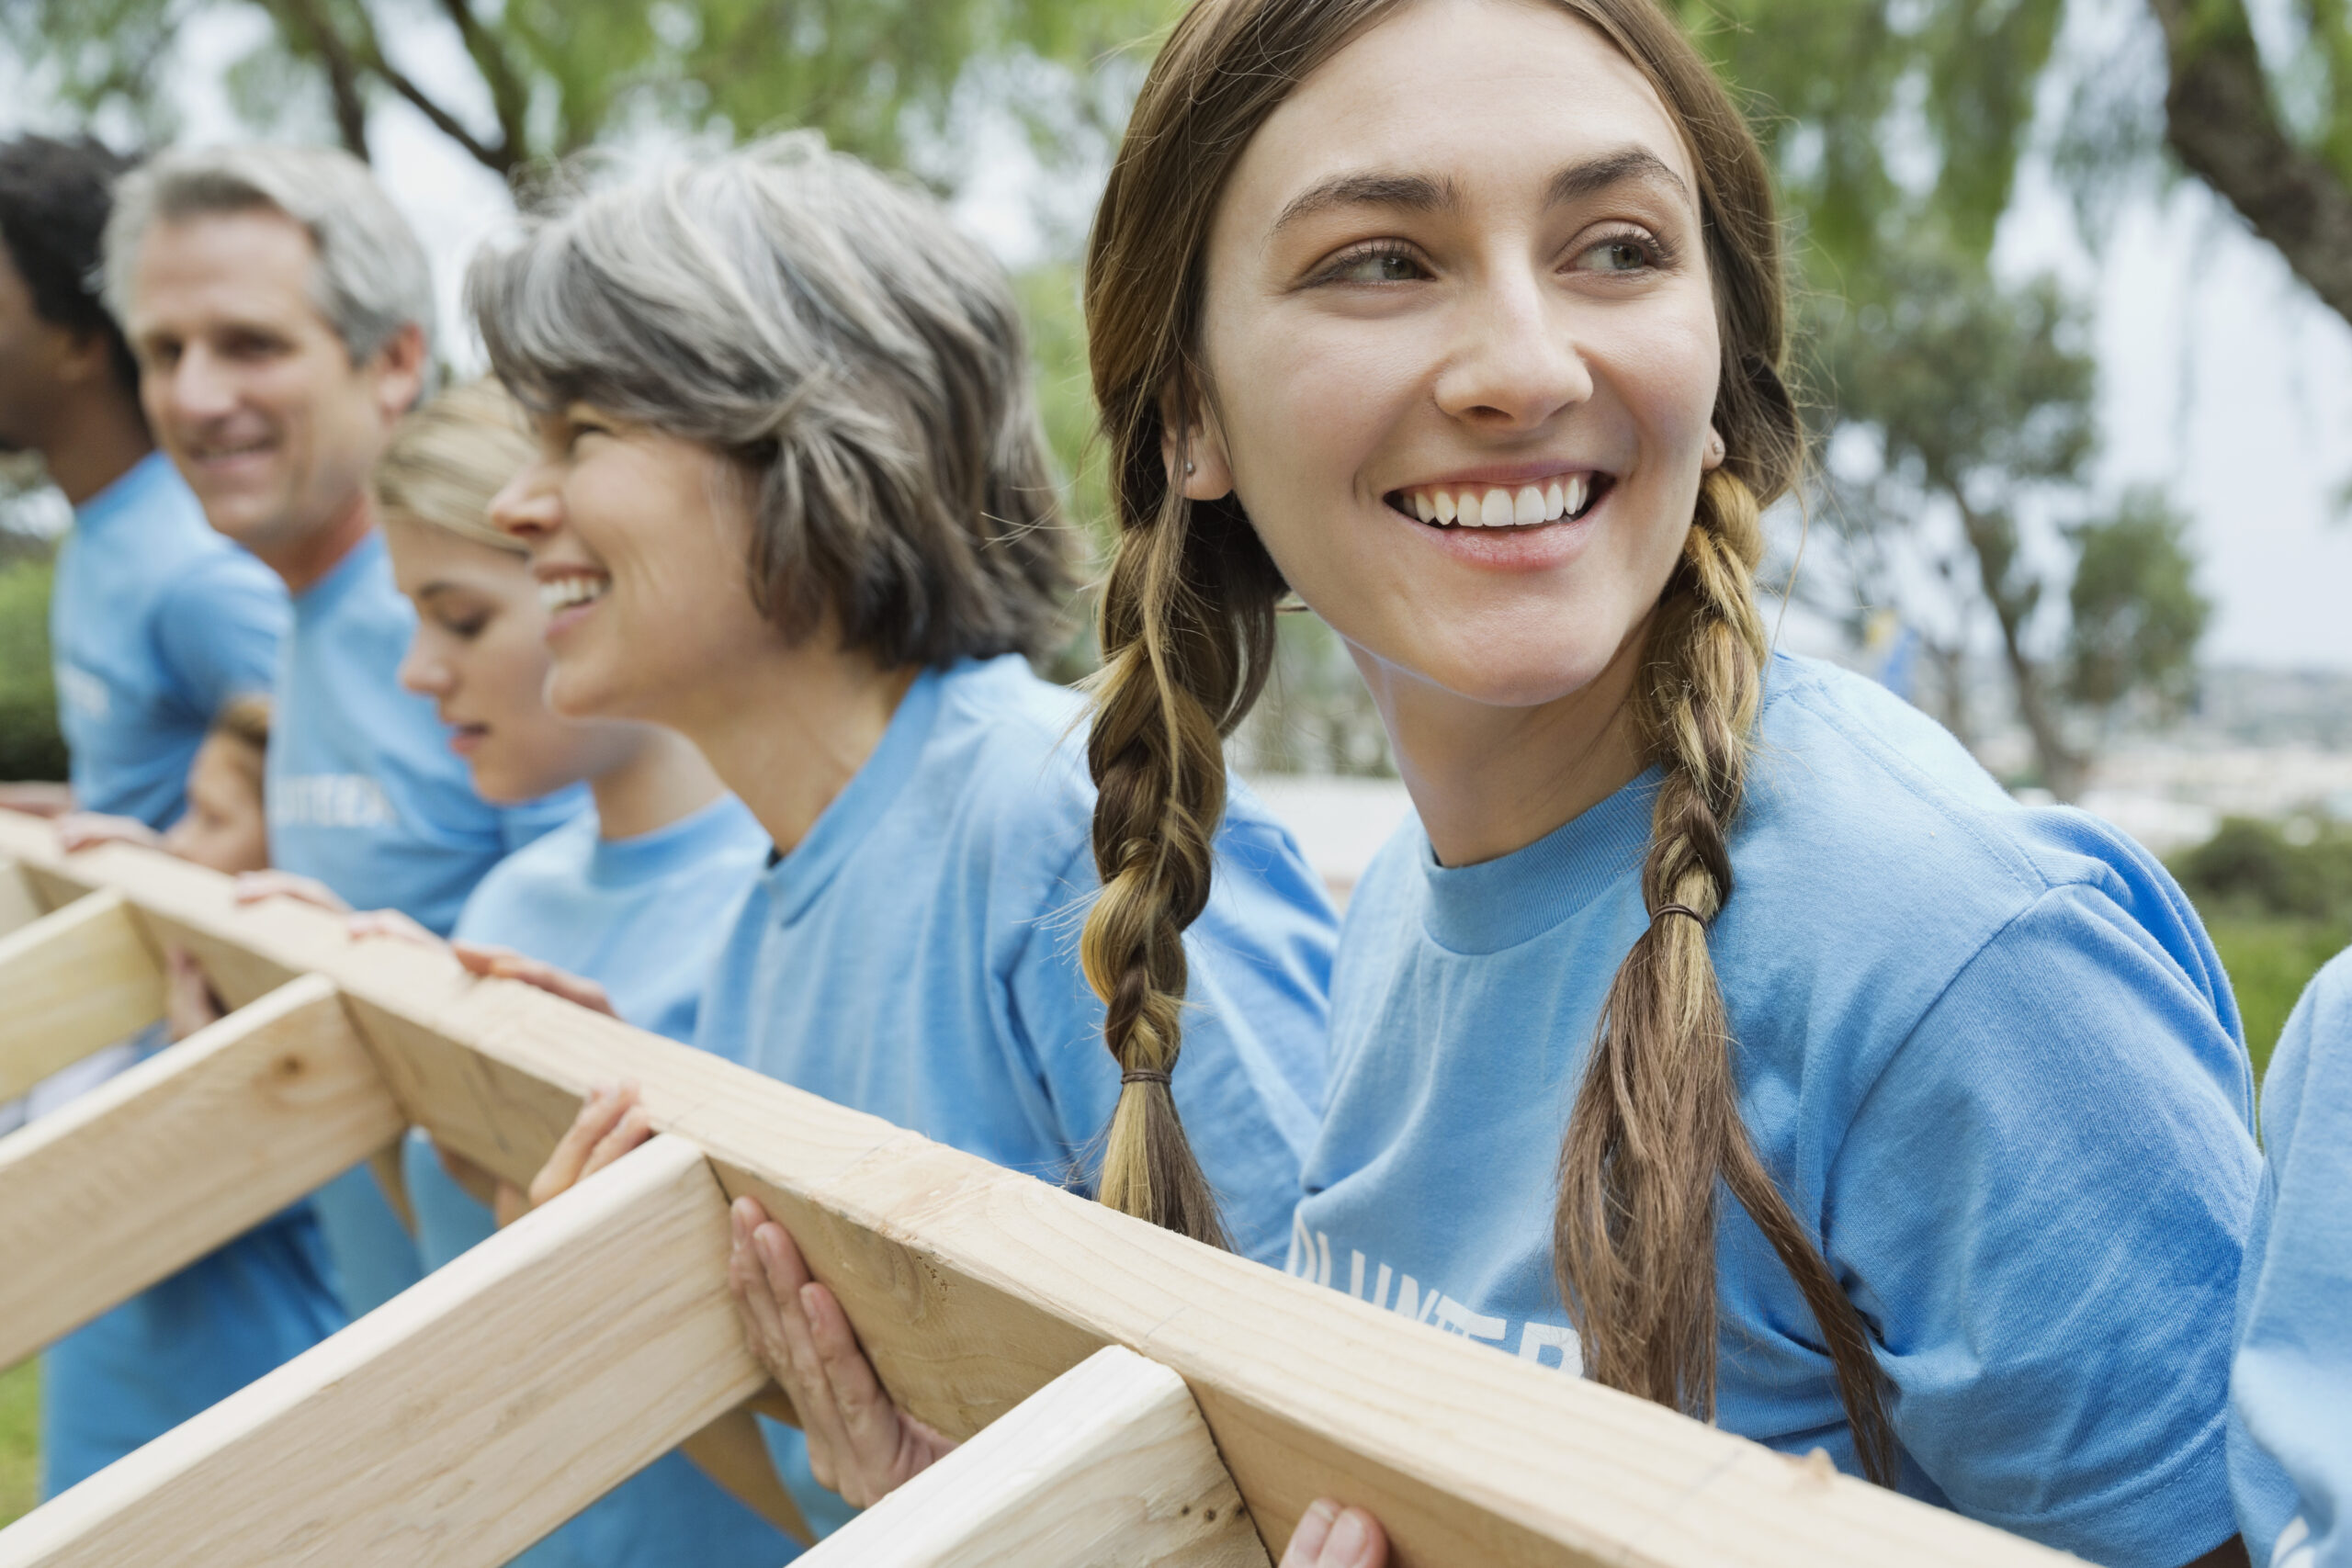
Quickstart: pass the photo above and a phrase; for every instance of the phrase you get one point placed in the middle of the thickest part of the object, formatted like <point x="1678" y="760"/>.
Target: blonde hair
<point x="447" y="460"/>
<point x="1187" y="628"/>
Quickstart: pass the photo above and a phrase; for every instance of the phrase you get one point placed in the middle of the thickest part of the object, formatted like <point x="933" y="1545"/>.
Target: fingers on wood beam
<point x="76" y="980"/>
<point x="1109" y="1463"/>
<point x="461" y="1421"/>
<point x="197" y="1145"/>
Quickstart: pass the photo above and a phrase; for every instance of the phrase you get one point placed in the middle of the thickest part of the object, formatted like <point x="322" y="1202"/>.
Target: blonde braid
<point x="1657" y="1120"/>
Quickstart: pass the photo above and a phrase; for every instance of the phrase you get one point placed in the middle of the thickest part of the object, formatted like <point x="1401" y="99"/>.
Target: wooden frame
<point x="973" y="1289"/>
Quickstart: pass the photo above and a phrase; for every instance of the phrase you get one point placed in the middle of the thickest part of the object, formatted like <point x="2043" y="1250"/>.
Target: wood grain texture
<point x="1107" y="1466"/>
<point x="458" y="1422"/>
<point x="74" y="981"/>
<point x="188" y="1149"/>
<point x="973" y="1287"/>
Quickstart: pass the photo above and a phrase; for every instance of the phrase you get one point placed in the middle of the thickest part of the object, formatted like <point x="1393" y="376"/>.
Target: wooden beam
<point x="973" y="1287"/>
<point x="19" y="903"/>
<point x="76" y="981"/>
<point x="1108" y="1463"/>
<point x="461" y="1421"/>
<point x="191" y="1148"/>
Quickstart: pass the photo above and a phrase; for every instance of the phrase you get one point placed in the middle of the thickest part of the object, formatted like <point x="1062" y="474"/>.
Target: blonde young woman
<point x="631" y="897"/>
<point x="1717" y="1029"/>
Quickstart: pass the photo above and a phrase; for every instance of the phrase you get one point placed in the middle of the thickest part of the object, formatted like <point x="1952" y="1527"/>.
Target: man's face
<point x="248" y="387"/>
<point x="31" y="352"/>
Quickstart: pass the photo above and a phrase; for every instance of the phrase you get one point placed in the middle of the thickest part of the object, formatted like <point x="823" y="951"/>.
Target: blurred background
<point x="2075" y="286"/>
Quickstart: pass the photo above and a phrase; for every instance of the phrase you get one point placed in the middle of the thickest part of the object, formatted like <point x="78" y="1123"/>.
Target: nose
<point x="529" y="508"/>
<point x="423" y="669"/>
<point x="1516" y="363"/>
<point x="197" y="388"/>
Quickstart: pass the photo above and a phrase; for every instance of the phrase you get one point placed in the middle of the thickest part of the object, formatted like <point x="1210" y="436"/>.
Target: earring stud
<point x="1188" y="465"/>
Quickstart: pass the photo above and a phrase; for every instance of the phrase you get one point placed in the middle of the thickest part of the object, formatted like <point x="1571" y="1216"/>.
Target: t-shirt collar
<point x="642" y="857"/>
<point x="358" y="563"/>
<point x="132" y="492"/>
<point x="1502" y="902"/>
<point x="795" y="878"/>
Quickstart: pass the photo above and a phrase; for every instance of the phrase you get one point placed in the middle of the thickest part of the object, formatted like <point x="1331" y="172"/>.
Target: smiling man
<point x="278" y="305"/>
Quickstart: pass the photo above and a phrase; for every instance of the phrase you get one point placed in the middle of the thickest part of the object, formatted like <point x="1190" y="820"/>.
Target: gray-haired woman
<point x="793" y="502"/>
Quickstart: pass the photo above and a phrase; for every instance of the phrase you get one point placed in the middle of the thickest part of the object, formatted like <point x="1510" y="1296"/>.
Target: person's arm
<point x="37" y="797"/>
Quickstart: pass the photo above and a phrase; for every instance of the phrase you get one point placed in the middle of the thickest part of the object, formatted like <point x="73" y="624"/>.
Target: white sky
<point x="2220" y="375"/>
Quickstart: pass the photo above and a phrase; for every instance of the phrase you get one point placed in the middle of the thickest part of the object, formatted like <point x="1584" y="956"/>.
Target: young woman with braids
<point x="1717" y="1028"/>
<point x="791" y="500"/>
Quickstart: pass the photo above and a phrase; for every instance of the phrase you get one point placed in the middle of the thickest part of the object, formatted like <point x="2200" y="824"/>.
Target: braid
<point x="1180" y="666"/>
<point x="1657" y="1120"/>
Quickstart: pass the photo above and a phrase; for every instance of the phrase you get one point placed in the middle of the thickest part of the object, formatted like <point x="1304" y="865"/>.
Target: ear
<point x="83" y="356"/>
<point x="1715" y="452"/>
<point x="399" y="370"/>
<point x="1198" y="462"/>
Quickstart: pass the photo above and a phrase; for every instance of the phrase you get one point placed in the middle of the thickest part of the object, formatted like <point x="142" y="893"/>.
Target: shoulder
<point x="2310" y="1068"/>
<point x="550" y="867"/>
<point x="1006" y="756"/>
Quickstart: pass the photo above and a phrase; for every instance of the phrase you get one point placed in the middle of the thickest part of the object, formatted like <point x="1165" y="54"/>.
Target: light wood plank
<point x="461" y="1421"/>
<point x="76" y="981"/>
<point x="1107" y="1466"/>
<point x="18" y="904"/>
<point x="973" y="1287"/>
<point x="191" y="1148"/>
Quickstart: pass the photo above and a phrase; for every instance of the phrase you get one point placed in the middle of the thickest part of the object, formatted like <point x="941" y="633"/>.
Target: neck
<point x="788" y="733"/>
<point x="663" y="780"/>
<point x="303" y="562"/>
<point x="1486" y="780"/>
<point x="93" y="441"/>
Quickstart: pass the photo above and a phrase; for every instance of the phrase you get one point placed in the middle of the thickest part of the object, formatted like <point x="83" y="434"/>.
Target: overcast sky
<point x="2221" y="376"/>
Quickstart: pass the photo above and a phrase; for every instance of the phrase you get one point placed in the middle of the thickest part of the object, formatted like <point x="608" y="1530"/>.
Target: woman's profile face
<point x="1462" y="348"/>
<point x="639" y="542"/>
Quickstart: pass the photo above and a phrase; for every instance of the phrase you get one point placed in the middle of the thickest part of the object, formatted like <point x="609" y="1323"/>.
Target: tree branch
<point x="501" y="158"/>
<point x="343" y="73"/>
<point x="509" y="98"/>
<point x="2220" y="118"/>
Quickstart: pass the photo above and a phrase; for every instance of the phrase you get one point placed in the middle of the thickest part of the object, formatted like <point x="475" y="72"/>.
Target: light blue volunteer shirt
<point x="156" y="623"/>
<point x="366" y="796"/>
<point x="916" y="956"/>
<point x="1987" y="1052"/>
<point x="643" y="917"/>
<point x="2292" y="1382"/>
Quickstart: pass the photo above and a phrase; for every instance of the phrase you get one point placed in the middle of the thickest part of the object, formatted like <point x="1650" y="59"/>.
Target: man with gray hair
<point x="279" y="309"/>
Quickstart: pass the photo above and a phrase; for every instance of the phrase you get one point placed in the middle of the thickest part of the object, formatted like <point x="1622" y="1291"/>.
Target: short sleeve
<point x="217" y="630"/>
<point x="2292" y="1381"/>
<point x="2040" y="1205"/>
<point x="1234" y="1106"/>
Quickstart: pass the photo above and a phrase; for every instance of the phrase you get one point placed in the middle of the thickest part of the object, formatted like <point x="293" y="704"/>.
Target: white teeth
<point x="1521" y="507"/>
<point x="1572" y="496"/>
<point x="1527" y="506"/>
<point x="1423" y="508"/>
<point x="1443" y="503"/>
<point x="1495" y="511"/>
<point x="1553" y="503"/>
<point x="562" y="592"/>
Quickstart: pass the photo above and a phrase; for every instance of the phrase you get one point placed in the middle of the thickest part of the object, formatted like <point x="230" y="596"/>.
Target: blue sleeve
<point x="1247" y="1120"/>
<point x="2040" y="1205"/>
<point x="2292" y="1380"/>
<point x="219" y="628"/>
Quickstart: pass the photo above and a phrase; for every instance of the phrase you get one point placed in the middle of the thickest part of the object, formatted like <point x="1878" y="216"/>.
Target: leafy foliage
<point x="2137" y="613"/>
<point x="30" y="746"/>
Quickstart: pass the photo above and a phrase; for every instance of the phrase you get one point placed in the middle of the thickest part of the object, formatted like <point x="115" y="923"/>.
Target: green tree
<point x="2137" y="615"/>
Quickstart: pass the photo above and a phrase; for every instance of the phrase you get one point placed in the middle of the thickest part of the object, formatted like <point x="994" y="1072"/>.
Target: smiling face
<point x="479" y="653"/>
<point x="1461" y="349"/>
<point x="640" y="541"/>
<point x="248" y="387"/>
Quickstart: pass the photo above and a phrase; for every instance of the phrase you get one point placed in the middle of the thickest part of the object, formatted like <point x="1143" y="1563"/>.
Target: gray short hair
<point x="829" y="328"/>
<point x="371" y="278"/>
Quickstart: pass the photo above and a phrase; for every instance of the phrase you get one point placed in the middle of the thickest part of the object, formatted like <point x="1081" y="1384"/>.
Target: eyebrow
<point x="1418" y="193"/>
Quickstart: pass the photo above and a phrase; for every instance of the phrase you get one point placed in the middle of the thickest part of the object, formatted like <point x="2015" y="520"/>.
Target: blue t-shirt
<point x="916" y="956"/>
<point x="2292" y="1382"/>
<point x="366" y="796"/>
<point x="1986" y="1051"/>
<point x="643" y="917"/>
<point x="155" y="624"/>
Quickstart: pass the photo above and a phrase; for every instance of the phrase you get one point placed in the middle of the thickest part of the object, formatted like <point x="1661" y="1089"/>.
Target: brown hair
<point x="245" y="720"/>
<point x="1187" y="626"/>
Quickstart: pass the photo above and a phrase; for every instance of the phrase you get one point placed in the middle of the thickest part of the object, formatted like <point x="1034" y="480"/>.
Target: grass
<point x="2269" y="960"/>
<point x="19" y="1439"/>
